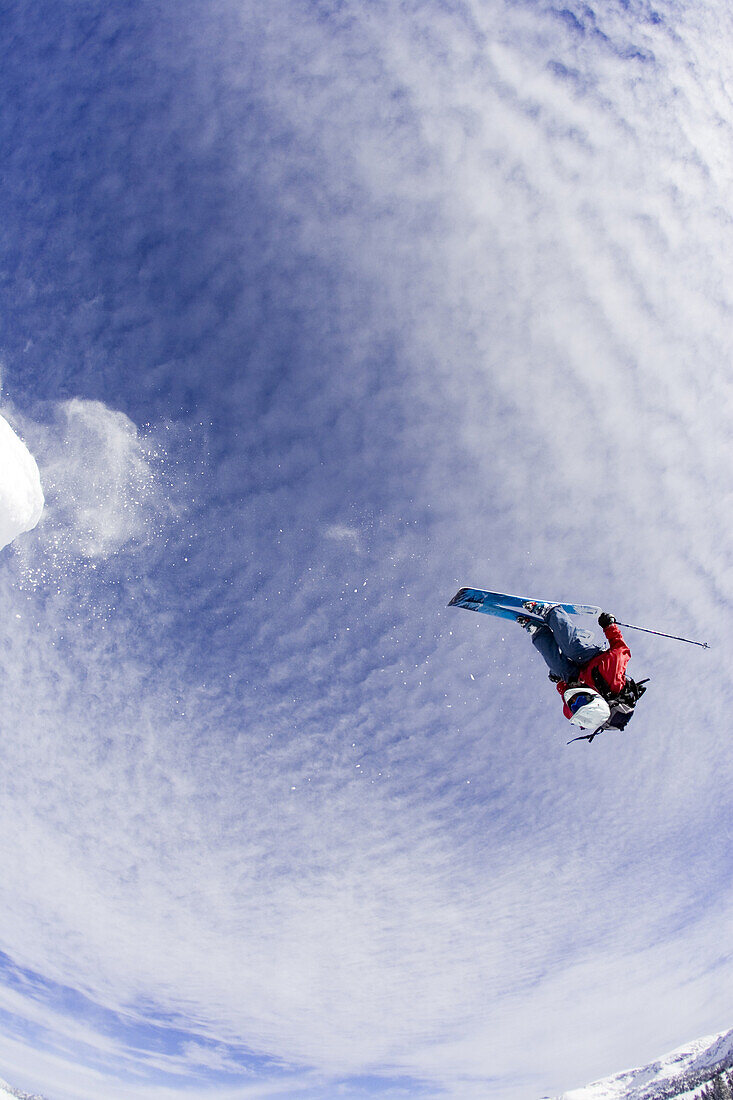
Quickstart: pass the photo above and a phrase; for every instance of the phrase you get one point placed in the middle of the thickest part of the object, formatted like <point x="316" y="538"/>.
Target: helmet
<point x="589" y="710"/>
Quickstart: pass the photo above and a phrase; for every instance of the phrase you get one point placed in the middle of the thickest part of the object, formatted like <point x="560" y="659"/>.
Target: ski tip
<point x="456" y="599"/>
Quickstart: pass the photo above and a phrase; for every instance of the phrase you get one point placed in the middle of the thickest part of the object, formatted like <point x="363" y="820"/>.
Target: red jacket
<point x="611" y="664"/>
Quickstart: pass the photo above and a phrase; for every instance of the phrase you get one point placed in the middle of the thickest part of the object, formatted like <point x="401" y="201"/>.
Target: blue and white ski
<point x="513" y="607"/>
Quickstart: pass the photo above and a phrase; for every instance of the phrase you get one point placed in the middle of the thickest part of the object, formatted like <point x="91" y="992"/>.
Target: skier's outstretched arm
<point x="617" y="658"/>
<point x="613" y="633"/>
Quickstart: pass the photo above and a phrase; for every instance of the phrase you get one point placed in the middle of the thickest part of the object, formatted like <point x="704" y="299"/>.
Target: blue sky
<point x="312" y="313"/>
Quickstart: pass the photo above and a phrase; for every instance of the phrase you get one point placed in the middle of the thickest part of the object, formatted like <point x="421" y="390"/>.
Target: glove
<point x="555" y="679"/>
<point x="604" y="620"/>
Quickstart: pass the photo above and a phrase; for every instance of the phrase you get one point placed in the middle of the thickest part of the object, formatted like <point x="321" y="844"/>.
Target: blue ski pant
<point x="564" y="646"/>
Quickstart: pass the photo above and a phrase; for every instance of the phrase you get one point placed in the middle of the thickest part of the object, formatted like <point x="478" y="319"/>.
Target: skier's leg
<point x="556" y="661"/>
<point x="575" y="642"/>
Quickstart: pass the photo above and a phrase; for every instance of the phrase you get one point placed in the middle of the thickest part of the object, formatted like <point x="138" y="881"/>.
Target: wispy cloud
<point x="410" y="299"/>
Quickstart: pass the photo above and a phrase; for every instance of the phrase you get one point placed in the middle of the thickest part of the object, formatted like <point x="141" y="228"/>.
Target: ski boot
<point x="537" y="608"/>
<point x="530" y="625"/>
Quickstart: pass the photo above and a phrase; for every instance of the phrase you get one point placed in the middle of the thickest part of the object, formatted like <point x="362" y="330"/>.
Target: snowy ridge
<point x="9" y="1093"/>
<point x="676" y="1074"/>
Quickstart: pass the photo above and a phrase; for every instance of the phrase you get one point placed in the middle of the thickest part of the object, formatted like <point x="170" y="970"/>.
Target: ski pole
<point x="661" y="634"/>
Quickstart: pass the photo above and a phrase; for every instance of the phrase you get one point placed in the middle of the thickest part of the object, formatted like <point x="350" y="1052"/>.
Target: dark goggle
<point x="579" y="700"/>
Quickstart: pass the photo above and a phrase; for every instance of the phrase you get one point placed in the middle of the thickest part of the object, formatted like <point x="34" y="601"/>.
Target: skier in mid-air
<point x="591" y="678"/>
<point x="596" y="692"/>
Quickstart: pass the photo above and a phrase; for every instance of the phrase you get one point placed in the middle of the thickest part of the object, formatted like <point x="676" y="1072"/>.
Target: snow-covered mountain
<point x="678" y="1074"/>
<point x="7" y="1092"/>
<point x="675" y="1076"/>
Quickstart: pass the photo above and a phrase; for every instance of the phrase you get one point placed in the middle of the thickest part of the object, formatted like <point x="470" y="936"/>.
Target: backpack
<point x="622" y="703"/>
